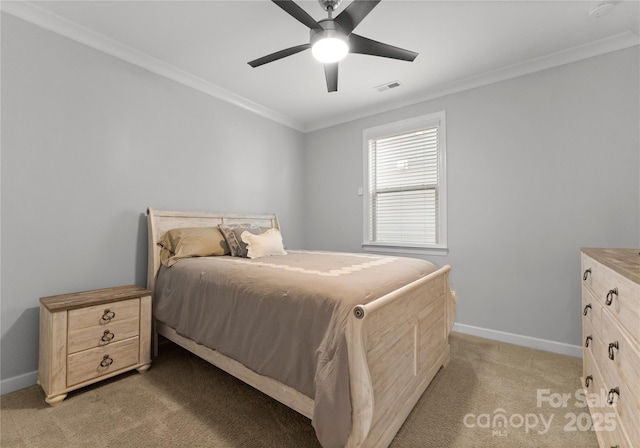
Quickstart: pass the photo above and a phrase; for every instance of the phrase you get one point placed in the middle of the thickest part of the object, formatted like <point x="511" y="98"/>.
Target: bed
<point x="389" y="345"/>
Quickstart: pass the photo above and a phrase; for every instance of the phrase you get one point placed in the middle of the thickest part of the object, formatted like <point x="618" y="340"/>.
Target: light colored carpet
<point x="183" y="401"/>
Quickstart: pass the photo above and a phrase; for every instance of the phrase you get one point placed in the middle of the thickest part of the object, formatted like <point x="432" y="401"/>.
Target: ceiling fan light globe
<point x="330" y="49"/>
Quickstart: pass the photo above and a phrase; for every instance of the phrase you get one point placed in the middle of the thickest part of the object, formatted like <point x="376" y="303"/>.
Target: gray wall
<point x="538" y="166"/>
<point x="88" y="143"/>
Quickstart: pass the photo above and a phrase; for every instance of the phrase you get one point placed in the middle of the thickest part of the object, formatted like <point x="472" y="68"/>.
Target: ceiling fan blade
<point x="297" y="13"/>
<point x="362" y="45"/>
<point x="331" y="73"/>
<point x="278" y="55"/>
<point x="354" y="13"/>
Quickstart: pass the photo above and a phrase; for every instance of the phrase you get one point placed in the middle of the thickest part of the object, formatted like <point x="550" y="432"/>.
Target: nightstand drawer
<point x="101" y="315"/>
<point x="103" y="335"/>
<point x="99" y="361"/>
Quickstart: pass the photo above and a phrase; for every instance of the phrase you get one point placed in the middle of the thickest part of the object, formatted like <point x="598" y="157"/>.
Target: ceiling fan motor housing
<point x="330" y="29"/>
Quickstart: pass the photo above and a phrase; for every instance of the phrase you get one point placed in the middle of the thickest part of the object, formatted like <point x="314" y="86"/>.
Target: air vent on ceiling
<point x="601" y="9"/>
<point x="387" y="86"/>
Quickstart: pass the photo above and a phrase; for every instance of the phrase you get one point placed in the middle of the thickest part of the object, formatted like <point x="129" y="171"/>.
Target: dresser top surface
<point x="625" y="262"/>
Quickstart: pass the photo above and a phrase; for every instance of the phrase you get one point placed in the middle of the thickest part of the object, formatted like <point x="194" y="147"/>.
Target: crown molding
<point x="57" y="24"/>
<point x="610" y="44"/>
<point x="45" y="19"/>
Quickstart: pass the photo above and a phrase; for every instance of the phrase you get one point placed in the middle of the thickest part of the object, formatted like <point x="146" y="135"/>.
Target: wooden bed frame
<point x="396" y="344"/>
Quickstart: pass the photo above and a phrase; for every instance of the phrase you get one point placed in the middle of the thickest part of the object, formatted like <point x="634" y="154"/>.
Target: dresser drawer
<point x="621" y="360"/>
<point x="622" y="300"/>
<point x="591" y="308"/>
<point x="592" y="274"/>
<point x="614" y="437"/>
<point x="605" y="420"/>
<point x="591" y="317"/>
<point x="101" y="315"/>
<point x="102" y="335"/>
<point x="99" y="361"/>
<point x="626" y="408"/>
<point x="592" y="342"/>
<point x="592" y="382"/>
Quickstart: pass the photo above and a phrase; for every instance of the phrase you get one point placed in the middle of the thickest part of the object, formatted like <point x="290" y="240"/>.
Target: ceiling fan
<point x="331" y="39"/>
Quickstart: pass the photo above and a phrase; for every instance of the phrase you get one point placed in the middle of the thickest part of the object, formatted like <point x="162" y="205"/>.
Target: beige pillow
<point x="265" y="244"/>
<point x="191" y="242"/>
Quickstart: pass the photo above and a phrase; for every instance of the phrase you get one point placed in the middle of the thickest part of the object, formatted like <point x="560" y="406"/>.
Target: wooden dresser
<point x="611" y="343"/>
<point x="89" y="336"/>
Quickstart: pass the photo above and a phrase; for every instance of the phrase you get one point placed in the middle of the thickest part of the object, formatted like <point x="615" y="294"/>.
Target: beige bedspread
<point x="283" y="317"/>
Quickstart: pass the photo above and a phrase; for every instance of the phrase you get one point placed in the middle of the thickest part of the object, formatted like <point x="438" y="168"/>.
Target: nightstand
<point x="89" y="336"/>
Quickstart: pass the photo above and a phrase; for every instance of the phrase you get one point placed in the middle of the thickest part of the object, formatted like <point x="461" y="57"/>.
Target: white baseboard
<point x="15" y="383"/>
<point x="516" y="339"/>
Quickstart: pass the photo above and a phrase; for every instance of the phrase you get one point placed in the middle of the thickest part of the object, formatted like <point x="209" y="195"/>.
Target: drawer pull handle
<point x="586" y="309"/>
<point x="612" y="354"/>
<point x="106" y="361"/>
<point x="610" y="296"/>
<point x="586" y="341"/>
<point x="107" y="336"/>
<point x="612" y="395"/>
<point x="588" y="380"/>
<point x="108" y="315"/>
<point x="586" y="274"/>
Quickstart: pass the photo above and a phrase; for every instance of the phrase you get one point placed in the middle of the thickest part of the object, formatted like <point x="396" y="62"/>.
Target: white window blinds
<point x="404" y="186"/>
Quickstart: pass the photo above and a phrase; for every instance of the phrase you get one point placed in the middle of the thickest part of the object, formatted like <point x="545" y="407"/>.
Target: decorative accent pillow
<point x="264" y="245"/>
<point x="187" y="242"/>
<point x="232" y="232"/>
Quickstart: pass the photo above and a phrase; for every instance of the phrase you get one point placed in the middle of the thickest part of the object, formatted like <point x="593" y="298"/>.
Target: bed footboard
<point x="396" y="346"/>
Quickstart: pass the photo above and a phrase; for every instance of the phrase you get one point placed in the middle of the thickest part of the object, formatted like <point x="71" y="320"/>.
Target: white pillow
<point x="263" y="245"/>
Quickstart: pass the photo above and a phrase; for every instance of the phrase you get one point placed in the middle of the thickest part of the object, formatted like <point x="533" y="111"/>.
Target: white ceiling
<point x="460" y="44"/>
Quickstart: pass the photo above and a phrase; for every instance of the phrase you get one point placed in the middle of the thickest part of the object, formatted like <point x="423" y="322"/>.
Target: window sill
<point x="406" y="250"/>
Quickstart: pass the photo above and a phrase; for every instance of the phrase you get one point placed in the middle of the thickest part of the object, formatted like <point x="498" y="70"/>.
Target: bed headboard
<point x="160" y="221"/>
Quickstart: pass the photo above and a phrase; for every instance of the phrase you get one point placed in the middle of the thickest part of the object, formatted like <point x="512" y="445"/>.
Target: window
<point x="405" y="186"/>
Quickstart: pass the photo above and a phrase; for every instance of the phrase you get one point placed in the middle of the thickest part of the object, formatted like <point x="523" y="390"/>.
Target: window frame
<point x="401" y="127"/>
